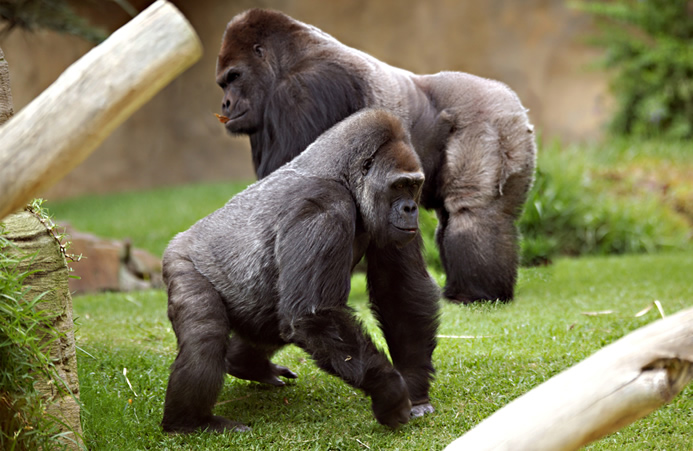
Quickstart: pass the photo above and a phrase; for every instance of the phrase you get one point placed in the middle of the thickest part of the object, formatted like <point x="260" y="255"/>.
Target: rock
<point x="110" y="265"/>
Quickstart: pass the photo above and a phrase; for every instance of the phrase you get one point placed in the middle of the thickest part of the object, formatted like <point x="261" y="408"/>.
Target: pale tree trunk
<point x="600" y="395"/>
<point x="90" y="99"/>
<point x="77" y="112"/>
<point x="49" y="275"/>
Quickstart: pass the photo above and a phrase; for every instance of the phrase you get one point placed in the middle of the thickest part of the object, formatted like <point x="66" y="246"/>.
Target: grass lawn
<point x="518" y="346"/>
<point x="512" y="349"/>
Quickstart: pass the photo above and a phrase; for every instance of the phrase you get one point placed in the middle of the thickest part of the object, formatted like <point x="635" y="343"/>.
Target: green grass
<point x="520" y="345"/>
<point x="517" y="346"/>
<point x="149" y="218"/>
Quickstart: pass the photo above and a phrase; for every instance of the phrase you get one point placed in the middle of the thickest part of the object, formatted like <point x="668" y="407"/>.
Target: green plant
<point x="22" y="423"/>
<point x="649" y="49"/>
<point x="26" y="337"/>
<point x="573" y="210"/>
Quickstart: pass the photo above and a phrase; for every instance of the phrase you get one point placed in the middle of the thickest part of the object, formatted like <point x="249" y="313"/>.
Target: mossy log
<point x="49" y="276"/>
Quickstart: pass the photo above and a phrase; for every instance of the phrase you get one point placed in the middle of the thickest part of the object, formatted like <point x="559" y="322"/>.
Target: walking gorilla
<point x="273" y="266"/>
<point x="286" y="82"/>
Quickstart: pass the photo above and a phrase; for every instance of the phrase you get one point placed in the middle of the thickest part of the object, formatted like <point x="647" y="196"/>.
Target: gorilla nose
<point x="408" y="215"/>
<point x="408" y="208"/>
<point x="226" y="106"/>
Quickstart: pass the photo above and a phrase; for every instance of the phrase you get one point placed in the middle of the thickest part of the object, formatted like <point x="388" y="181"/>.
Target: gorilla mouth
<point x="236" y="117"/>
<point x="406" y="230"/>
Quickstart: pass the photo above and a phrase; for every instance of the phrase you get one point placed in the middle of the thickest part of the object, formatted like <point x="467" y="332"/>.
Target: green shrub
<point x="649" y="49"/>
<point x="571" y="210"/>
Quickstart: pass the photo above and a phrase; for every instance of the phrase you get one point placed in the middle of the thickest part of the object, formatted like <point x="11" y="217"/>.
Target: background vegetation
<point x="649" y="52"/>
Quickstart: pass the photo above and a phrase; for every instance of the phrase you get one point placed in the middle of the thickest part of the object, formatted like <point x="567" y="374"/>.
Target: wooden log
<point x="605" y="392"/>
<point x="5" y="93"/>
<point x="65" y="123"/>
<point x="49" y="276"/>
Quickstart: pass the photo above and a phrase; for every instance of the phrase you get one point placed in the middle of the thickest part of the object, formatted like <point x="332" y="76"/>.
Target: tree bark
<point x="6" y="110"/>
<point x="610" y="389"/>
<point x="65" y="123"/>
<point x="50" y="276"/>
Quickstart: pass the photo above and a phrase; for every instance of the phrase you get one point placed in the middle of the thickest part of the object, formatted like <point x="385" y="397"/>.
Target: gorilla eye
<point x="232" y="76"/>
<point x="367" y="165"/>
<point x="259" y="51"/>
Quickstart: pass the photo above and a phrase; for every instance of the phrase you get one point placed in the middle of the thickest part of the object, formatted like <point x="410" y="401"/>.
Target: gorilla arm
<point x="315" y="256"/>
<point x="404" y="298"/>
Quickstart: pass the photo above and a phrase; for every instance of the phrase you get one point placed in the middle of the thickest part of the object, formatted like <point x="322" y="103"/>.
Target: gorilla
<point x="273" y="267"/>
<point x="285" y="82"/>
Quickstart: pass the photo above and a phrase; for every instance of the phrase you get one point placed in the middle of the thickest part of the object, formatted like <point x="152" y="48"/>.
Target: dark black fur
<point x="286" y="82"/>
<point x="273" y="267"/>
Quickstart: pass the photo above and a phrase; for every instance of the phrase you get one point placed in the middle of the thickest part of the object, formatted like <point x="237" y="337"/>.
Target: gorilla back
<point x="285" y="82"/>
<point x="273" y="267"/>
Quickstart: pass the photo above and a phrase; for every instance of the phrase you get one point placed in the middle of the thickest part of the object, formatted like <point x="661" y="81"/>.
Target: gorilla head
<point x="262" y="72"/>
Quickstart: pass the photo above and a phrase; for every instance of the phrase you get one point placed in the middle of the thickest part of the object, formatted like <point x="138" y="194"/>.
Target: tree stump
<point x="50" y="276"/>
<point x="5" y="93"/>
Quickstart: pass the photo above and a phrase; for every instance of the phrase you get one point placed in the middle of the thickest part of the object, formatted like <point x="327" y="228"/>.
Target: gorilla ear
<point x="259" y="50"/>
<point x="366" y="165"/>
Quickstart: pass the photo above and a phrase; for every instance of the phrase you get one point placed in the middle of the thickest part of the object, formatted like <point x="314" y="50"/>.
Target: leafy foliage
<point x="55" y="15"/>
<point x="21" y="356"/>
<point x="25" y="339"/>
<point x="649" y="46"/>
<point x="572" y="210"/>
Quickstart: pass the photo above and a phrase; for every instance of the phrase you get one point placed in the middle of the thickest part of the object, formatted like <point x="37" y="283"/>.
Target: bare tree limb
<point x="63" y="125"/>
<point x="605" y="392"/>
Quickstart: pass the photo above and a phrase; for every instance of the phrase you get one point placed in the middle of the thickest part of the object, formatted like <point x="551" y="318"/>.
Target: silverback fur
<point x="285" y="82"/>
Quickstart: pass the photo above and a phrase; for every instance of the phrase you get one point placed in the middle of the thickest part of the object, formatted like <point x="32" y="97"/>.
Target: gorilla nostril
<point x="410" y="208"/>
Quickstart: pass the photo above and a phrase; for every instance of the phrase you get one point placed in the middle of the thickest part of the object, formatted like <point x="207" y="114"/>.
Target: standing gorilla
<point x="274" y="267"/>
<point x="286" y="82"/>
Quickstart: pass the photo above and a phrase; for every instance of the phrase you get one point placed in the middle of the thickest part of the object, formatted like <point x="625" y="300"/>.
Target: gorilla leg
<point x="199" y="320"/>
<point x="478" y="250"/>
<point x="251" y="362"/>
<point x="405" y="300"/>
<point x="338" y="344"/>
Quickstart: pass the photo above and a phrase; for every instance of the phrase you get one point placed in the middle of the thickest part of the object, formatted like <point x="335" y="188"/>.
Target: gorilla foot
<point x="457" y="297"/>
<point x="221" y="424"/>
<point x="215" y="424"/>
<point x="273" y="378"/>
<point x="420" y="410"/>
<point x="266" y="372"/>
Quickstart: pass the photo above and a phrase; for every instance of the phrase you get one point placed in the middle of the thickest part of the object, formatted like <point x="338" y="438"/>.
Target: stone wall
<point x="535" y="46"/>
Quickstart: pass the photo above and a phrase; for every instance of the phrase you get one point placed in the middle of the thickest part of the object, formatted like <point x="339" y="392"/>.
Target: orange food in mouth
<point x="222" y="119"/>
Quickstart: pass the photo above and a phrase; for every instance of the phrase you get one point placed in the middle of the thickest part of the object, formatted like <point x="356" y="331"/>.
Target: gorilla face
<point x="392" y="183"/>
<point x="245" y="85"/>
<point x="403" y="220"/>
